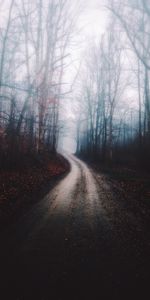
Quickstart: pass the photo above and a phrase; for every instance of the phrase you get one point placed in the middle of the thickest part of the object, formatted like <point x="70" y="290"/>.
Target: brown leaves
<point x="19" y="187"/>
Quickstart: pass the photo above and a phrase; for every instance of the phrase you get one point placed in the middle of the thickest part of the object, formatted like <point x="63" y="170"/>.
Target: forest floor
<point x="20" y="188"/>
<point x="131" y="185"/>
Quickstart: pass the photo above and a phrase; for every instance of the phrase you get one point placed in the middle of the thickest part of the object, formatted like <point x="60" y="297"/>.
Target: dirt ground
<point x="84" y="240"/>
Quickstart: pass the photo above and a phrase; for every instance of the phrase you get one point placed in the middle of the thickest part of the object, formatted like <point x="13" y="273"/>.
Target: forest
<point x="74" y="149"/>
<point x="113" y="125"/>
<point x="34" y="39"/>
<point x="111" y="92"/>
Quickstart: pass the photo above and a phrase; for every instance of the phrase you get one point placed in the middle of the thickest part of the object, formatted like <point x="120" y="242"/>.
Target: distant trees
<point x="134" y="18"/>
<point x="34" y="42"/>
<point x="118" y="70"/>
<point x="101" y="91"/>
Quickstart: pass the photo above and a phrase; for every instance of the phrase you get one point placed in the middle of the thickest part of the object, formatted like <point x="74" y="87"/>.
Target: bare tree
<point x="34" y="53"/>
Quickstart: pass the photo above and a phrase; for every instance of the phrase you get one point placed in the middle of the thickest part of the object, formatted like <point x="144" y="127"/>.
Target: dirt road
<point x="80" y="242"/>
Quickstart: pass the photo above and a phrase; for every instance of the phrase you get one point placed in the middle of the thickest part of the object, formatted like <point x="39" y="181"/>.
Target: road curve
<point x="68" y="246"/>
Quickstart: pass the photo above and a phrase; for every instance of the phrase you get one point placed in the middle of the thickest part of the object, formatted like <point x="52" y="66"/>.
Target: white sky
<point x="93" y="21"/>
<point x="94" y="17"/>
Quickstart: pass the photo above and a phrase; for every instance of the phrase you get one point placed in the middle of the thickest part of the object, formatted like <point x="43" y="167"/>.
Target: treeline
<point x="34" y="40"/>
<point x="114" y="99"/>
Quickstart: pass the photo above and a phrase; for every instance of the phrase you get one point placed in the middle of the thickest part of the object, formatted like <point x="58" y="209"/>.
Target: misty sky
<point x="93" y="22"/>
<point x="94" y="17"/>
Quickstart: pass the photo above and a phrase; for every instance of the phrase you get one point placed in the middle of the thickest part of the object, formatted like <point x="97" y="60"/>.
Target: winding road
<point x="79" y="242"/>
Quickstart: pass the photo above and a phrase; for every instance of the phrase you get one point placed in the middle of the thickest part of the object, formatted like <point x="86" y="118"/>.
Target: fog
<point x="74" y="76"/>
<point x="91" y="23"/>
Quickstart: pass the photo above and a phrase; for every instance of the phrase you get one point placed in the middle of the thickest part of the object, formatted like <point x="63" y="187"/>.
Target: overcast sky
<point x="93" y="21"/>
<point x="94" y="17"/>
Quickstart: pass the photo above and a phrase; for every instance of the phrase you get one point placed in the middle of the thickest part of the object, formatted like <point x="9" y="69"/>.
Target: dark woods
<point x="114" y="124"/>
